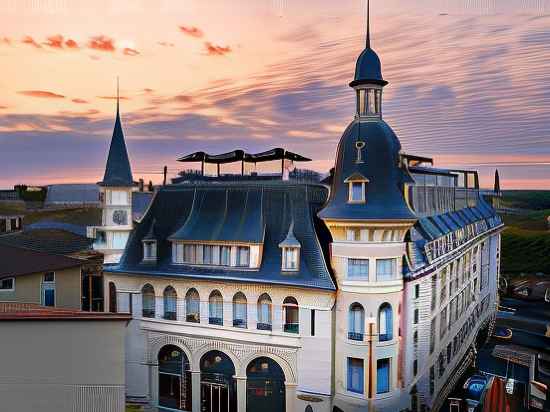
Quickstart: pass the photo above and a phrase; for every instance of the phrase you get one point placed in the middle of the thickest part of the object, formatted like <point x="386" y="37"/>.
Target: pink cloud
<point x="41" y="93"/>
<point x="215" y="50"/>
<point x="80" y="101"/>
<point x="113" y="97"/>
<point x="165" y="44"/>
<point x="191" y="31"/>
<point x="31" y="42"/>
<point x="55" y="42"/>
<point x="102" y="43"/>
<point x="130" y="52"/>
<point x="5" y="40"/>
<point x="71" y="44"/>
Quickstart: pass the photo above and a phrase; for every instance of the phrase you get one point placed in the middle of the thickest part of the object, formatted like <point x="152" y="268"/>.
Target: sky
<point x="469" y="82"/>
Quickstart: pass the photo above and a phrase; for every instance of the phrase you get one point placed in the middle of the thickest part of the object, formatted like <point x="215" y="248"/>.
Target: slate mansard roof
<point x="238" y="212"/>
<point x="380" y="165"/>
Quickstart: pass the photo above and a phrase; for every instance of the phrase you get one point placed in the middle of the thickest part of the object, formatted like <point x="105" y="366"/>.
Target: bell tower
<point x="115" y="190"/>
<point x="368" y="217"/>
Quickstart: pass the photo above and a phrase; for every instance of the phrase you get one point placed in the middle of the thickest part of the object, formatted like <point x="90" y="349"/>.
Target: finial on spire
<point x="117" y="95"/>
<point x="368" y="24"/>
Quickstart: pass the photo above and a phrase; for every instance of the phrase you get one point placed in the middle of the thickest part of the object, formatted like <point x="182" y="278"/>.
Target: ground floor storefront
<point x="208" y="376"/>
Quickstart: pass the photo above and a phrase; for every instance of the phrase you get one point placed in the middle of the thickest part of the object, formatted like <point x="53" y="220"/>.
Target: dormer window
<point x="290" y="248"/>
<point x="290" y="258"/>
<point x="149" y="250"/>
<point x="357" y="184"/>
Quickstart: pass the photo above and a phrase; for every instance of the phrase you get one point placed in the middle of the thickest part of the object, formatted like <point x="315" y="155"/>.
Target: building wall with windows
<point x="298" y="336"/>
<point x="63" y="289"/>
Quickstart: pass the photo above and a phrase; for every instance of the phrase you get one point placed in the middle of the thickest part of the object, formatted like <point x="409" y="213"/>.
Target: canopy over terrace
<point x="241" y="156"/>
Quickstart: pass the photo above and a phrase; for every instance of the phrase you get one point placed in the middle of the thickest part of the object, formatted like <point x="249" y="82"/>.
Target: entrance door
<point x="265" y="386"/>
<point x="215" y="397"/>
<point x="169" y="390"/>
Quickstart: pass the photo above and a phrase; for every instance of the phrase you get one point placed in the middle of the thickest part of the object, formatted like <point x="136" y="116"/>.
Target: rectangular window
<point x="243" y="256"/>
<point x="119" y="240"/>
<point x="225" y="255"/>
<point x="434" y="292"/>
<point x="189" y="253"/>
<point x="49" y="277"/>
<point x="7" y="285"/>
<point x="149" y="250"/>
<point x="416" y="291"/>
<point x="443" y="323"/>
<point x="383" y="375"/>
<point x="312" y="324"/>
<point x="355" y="375"/>
<point x="290" y="258"/>
<point x="358" y="269"/>
<point x="119" y="197"/>
<point x="415" y="367"/>
<point x="353" y="234"/>
<point x="385" y="269"/>
<point x="432" y="334"/>
<point x="357" y="192"/>
<point x="415" y="316"/>
<point x="208" y="254"/>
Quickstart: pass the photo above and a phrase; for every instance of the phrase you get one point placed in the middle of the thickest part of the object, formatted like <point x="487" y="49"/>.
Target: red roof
<point x="30" y="311"/>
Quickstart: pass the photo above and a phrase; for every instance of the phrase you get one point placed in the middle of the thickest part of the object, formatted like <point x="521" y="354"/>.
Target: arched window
<point x="290" y="313"/>
<point x="148" y="301"/>
<point x="239" y="310"/>
<point x="112" y="298"/>
<point x="192" y="306"/>
<point x="264" y="312"/>
<point x="385" y="322"/>
<point x="215" y="308"/>
<point x="170" y="303"/>
<point x="356" y="328"/>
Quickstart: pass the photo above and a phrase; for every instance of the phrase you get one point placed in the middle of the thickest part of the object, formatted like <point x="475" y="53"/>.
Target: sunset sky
<point x="469" y="82"/>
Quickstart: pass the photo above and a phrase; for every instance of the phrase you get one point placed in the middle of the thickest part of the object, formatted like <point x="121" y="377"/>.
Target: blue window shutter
<point x="389" y="322"/>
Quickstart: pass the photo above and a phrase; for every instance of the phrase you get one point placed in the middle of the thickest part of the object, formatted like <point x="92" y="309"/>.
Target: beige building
<point x="61" y="360"/>
<point x="29" y="276"/>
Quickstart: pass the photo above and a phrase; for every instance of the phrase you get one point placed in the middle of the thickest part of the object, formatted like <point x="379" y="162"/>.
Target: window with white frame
<point x="357" y="188"/>
<point x="386" y="269"/>
<point x="358" y="269"/>
<point x="189" y="253"/>
<point x="225" y="255"/>
<point x="243" y="256"/>
<point x="291" y="258"/>
<point x="149" y="250"/>
<point x="7" y="285"/>
<point x="353" y="234"/>
<point x="208" y="254"/>
<point x="119" y="197"/>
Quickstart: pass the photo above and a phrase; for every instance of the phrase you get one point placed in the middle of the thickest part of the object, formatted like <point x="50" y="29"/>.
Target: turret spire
<point x="118" y="171"/>
<point x="368" y="24"/>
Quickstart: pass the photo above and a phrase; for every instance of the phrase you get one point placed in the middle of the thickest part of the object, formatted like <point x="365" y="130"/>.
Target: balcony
<point x="148" y="313"/>
<point x="192" y="317"/>
<point x="215" y="321"/>
<point x="358" y="336"/>
<point x="239" y="323"/>
<point x="291" y="327"/>
<point x="170" y="315"/>
<point x="263" y="326"/>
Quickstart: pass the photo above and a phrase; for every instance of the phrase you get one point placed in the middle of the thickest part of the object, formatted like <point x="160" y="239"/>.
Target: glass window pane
<point x="357" y="191"/>
<point x="383" y="376"/>
<point x="358" y="269"/>
<point x="355" y="375"/>
<point x="385" y="269"/>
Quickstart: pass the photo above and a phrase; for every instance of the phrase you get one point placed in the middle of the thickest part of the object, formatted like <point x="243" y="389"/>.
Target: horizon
<point x="467" y="83"/>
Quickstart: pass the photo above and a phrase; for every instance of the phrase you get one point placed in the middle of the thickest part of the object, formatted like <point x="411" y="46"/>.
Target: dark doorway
<point x="92" y="292"/>
<point x="265" y="386"/>
<point x="174" y="379"/>
<point x="218" y="389"/>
